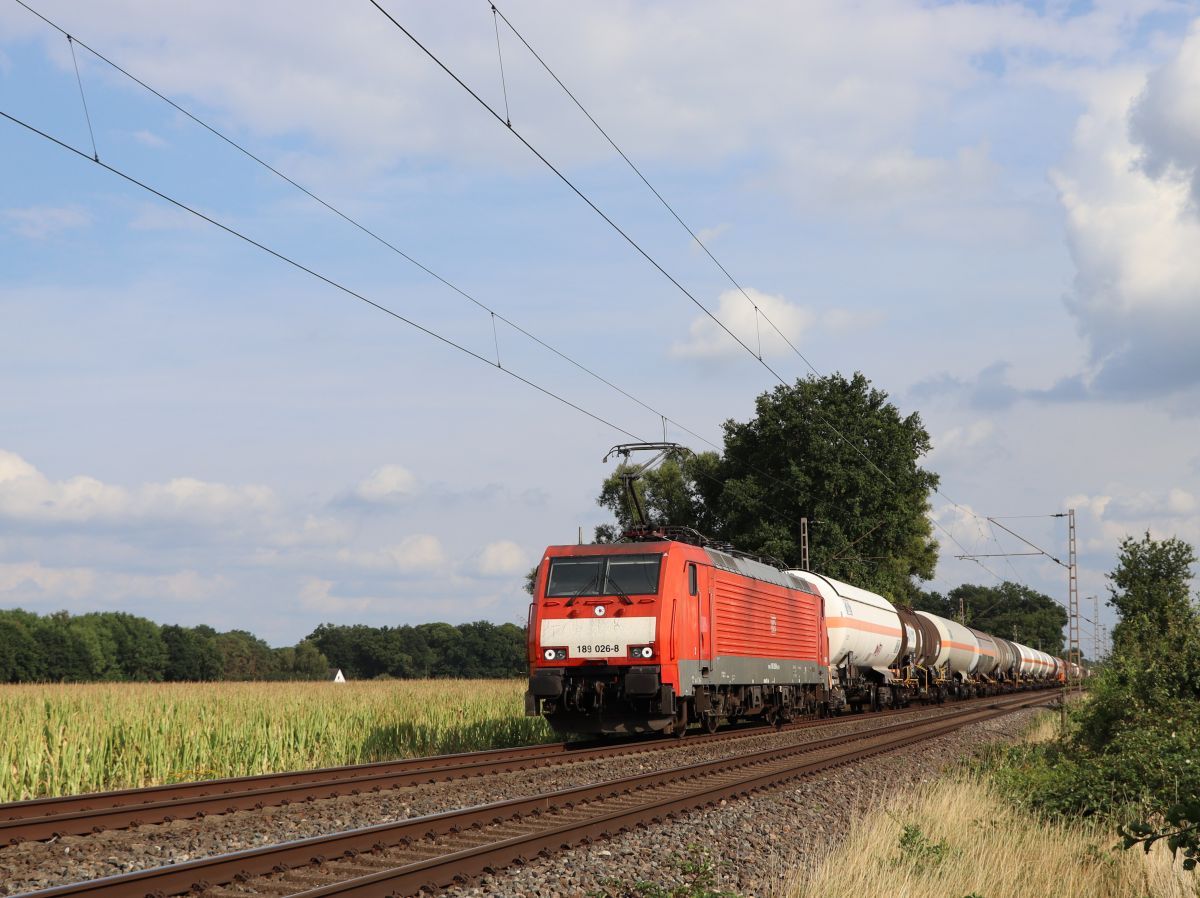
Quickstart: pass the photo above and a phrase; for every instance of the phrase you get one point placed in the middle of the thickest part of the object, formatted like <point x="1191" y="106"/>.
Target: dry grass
<point x="959" y="838"/>
<point x="64" y="739"/>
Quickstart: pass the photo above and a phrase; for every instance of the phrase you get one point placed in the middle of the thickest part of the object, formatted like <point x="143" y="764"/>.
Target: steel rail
<point x="456" y="868"/>
<point x="48" y="818"/>
<point x="197" y="875"/>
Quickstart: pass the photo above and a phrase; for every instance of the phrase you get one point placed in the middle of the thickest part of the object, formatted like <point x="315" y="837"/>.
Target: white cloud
<point x="149" y="139"/>
<point x="40" y="222"/>
<point x="846" y="321"/>
<point x="850" y="75"/>
<point x="413" y="554"/>
<point x="958" y="440"/>
<point x="26" y="494"/>
<point x="39" y="585"/>
<point x="1133" y="227"/>
<point x="706" y="339"/>
<point x="1123" y="511"/>
<point x="316" y="530"/>
<point x="1164" y="121"/>
<point x="708" y="235"/>
<point x="1181" y="502"/>
<point x="387" y="484"/>
<point x="317" y="595"/>
<point x="502" y="558"/>
<point x="1095" y="505"/>
<point x="964" y="523"/>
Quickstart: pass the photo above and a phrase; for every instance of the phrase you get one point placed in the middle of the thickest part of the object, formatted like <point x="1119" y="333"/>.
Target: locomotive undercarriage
<point x="602" y="699"/>
<point x="623" y="700"/>
<point x="776" y="704"/>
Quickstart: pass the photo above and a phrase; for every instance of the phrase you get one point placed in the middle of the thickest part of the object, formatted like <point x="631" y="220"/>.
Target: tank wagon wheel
<point x="711" y="723"/>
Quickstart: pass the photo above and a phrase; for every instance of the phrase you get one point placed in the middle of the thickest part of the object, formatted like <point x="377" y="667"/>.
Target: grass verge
<point x="961" y="837"/>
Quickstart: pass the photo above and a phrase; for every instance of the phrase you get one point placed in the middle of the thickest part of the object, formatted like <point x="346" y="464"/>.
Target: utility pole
<point x="804" y="544"/>
<point x="1073" y="654"/>
<point x="1095" y="627"/>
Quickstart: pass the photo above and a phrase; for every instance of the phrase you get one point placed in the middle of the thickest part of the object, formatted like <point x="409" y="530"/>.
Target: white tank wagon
<point x="1008" y="660"/>
<point x="866" y="639"/>
<point x="961" y="651"/>
<point x="864" y="628"/>
<point x="882" y="655"/>
<point x="1037" y="665"/>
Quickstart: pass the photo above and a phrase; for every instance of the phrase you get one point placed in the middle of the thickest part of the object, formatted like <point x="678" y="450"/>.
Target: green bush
<point x="1132" y="751"/>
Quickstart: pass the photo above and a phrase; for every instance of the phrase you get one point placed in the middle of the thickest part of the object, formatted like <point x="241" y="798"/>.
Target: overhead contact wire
<point x="316" y="274"/>
<point x="364" y="229"/>
<point x="695" y="237"/>
<point x="494" y="315"/>
<point x="637" y="171"/>
<point x="562" y="177"/>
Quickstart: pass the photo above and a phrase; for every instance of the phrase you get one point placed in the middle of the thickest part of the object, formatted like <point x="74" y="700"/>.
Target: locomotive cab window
<point x="632" y="574"/>
<point x="605" y="575"/>
<point x="574" y="577"/>
<point x="693" y="587"/>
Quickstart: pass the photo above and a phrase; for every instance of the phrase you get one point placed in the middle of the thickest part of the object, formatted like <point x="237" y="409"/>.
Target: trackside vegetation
<point x="1130" y="758"/>
<point x="65" y="739"/>
<point x="962" y="837"/>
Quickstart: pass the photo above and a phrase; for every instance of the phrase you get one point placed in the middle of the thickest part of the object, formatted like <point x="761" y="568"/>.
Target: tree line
<point x="115" y="646"/>
<point x="476" y="650"/>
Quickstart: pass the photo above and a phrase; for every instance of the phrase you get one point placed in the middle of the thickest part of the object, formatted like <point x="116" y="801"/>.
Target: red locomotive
<point x="656" y="633"/>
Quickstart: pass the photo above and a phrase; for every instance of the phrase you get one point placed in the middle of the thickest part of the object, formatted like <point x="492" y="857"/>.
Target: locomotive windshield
<point x="604" y="575"/>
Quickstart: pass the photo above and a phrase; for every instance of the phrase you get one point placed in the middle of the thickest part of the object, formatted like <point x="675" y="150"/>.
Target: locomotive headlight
<point x="641" y="651"/>
<point x="554" y="654"/>
<point x="548" y="654"/>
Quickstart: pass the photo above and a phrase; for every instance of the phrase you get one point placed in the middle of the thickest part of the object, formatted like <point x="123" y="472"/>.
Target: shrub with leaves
<point x="919" y="851"/>
<point x="1181" y="829"/>
<point x="1133" y="749"/>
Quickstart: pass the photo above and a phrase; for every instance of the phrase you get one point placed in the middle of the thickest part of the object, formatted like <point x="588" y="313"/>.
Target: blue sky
<point x="987" y="208"/>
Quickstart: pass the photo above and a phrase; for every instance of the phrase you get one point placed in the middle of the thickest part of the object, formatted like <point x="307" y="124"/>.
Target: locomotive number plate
<point x="591" y="651"/>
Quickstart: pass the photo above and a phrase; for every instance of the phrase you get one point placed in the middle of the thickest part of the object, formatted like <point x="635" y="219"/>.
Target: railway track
<point x="435" y="851"/>
<point x="100" y="811"/>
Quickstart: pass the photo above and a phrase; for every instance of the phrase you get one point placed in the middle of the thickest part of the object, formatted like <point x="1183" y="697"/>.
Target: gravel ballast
<point x="754" y="844"/>
<point x="753" y="839"/>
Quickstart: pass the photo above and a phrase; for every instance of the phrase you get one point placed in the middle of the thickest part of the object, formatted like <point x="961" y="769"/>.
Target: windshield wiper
<point x="618" y="591"/>
<point x="592" y="579"/>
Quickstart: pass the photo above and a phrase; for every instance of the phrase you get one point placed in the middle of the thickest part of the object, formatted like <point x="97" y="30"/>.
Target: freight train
<point x="666" y="630"/>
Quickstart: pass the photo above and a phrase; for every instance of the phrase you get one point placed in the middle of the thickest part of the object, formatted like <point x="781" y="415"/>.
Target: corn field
<point x="66" y="739"/>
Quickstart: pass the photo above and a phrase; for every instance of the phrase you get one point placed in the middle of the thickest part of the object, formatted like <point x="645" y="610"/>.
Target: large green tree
<point x="1152" y="581"/>
<point x="831" y="449"/>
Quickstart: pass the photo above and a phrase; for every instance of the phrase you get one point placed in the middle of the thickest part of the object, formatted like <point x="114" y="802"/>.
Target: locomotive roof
<point x="748" y="567"/>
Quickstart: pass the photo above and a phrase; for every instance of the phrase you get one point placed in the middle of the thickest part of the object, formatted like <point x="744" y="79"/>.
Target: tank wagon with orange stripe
<point x="882" y="655"/>
<point x="666" y="630"/>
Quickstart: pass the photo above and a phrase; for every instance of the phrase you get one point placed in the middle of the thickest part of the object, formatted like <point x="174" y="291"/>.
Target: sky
<point x="990" y="209"/>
